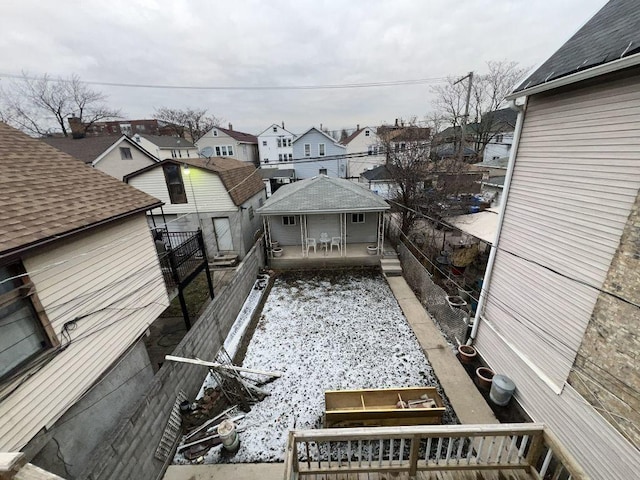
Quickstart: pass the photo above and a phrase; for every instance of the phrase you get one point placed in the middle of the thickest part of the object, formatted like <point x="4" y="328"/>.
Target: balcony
<point x="453" y="452"/>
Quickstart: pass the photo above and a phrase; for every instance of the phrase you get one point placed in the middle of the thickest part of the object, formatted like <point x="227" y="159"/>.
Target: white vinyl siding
<point x="366" y="232"/>
<point x="285" y="234"/>
<point x="113" y="164"/>
<point x="116" y="292"/>
<point x="210" y="193"/>
<point x="575" y="179"/>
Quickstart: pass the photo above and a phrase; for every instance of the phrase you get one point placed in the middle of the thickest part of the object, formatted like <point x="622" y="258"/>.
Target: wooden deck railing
<point x="525" y="446"/>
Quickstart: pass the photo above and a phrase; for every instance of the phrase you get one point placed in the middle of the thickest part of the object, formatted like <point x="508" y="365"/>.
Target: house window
<point x="290" y="156"/>
<point x="264" y="143"/>
<point x="188" y="156"/>
<point x="370" y="150"/>
<point x="279" y="141"/>
<point x="175" y="186"/>
<point x="357" y="218"/>
<point x="366" y="133"/>
<point x="288" y="142"/>
<point x="140" y="128"/>
<point x="176" y="153"/>
<point x="495" y="157"/>
<point x="499" y="138"/>
<point x="215" y="133"/>
<point x="250" y="213"/>
<point x="289" y="220"/>
<point x="224" y="150"/>
<point x="230" y="149"/>
<point x="280" y="157"/>
<point x="125" y="153"/>
<point x="322" y="171"/>
<point x="307" y="149"/>
<point x="265" y="160"/>
<point x="321" y="149"/>
<point x="275" y="129"/>
<point x="23" y="334"/>
<point x="260" y="201"/>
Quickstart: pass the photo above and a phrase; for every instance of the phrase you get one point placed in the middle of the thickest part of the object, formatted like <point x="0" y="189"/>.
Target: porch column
<point x="343" y="227"/>
<point x="303" y="234"/>
<point x="267" y="234"/>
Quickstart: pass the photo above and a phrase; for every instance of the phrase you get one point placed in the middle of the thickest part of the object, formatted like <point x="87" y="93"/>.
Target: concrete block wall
<point x="606" y="371"/>
<point x="130" y="452"/>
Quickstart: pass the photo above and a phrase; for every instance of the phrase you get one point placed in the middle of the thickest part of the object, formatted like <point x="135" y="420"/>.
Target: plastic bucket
<point x="502" y="388"/>
<point x="228" y="435"/>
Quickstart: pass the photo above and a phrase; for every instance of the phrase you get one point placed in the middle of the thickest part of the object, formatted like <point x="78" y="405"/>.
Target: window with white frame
<point x="367" y="133"/>
<point x="321" y="149"/>
<point x="215" y="133"/>
<point x="322" y="171"/>
<point x="176" y="153"/>
<point x="370" y="150"/>
<point x="357" y="218"/>
<point x="290" y="156"/>
<point x="288" y="142"/>
<point x="279" y="157"/>
<point x="224" y="151"/>
<point x="307" y="149"/>
<point x="288" y="220"/>
<point x="250" y="213"/>
<point x="264" y="143"/>
<point x="23" y="325"/>
<point x="499" y="138"/>
<point x="275" y="129"/>
<point x="265" y="160"/>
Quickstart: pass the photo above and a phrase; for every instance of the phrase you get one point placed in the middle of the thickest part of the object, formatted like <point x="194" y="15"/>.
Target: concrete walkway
<point x="466" y="400"/>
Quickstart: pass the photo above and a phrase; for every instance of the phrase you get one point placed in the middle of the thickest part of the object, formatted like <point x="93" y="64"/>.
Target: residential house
<point x="275" y="146"/>
<point x="365" y="151"/>
<point x="166" y="146"/>
<point x="227" y="142"/>
<point x="218" y="195"/>
<point x="127" y="127"/>
<point x="561" y="296"/>
<point x="114" y="156"/>
<point x="400" y="138"/>
<point x="316" y="153"/>
<point x="274" y="178"/>
<point x="324" y="221"/>
<point x="380" y="181"/>
<point x="80" y="283"/>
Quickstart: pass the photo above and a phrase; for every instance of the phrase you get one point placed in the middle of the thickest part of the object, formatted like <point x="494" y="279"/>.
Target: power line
<point x="393" y="83"/>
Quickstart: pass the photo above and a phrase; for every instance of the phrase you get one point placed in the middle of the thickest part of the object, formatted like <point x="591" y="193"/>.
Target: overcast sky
<point x="280" y="42"/>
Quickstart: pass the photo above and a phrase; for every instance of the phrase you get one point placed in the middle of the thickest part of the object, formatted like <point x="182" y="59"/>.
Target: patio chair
<point x="324" y="240"/>
<point x="311" y="242"/>
<point x="335" y="241"/>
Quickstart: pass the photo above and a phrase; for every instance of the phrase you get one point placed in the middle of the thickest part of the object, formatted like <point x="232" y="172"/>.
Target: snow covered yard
<point x="325" y="331"/>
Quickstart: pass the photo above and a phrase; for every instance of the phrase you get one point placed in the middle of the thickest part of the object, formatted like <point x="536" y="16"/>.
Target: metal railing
<point x="183" y="255"/>
<point x="527" y="447"/>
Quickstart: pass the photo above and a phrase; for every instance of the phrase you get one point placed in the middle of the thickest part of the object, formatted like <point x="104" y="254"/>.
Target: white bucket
<point x="228" y="435"/>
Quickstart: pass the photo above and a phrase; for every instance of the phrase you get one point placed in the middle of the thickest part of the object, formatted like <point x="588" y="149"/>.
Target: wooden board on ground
<point x="383" y="407"/>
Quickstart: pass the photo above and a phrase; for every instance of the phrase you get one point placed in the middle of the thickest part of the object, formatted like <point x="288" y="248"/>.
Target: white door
<point x="222" y="230"/>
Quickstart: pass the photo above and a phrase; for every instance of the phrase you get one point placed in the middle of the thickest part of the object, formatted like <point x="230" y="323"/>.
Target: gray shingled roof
<point x="322" y="194"/>
<point x="612" y="33"/>
<point x="167" y="141"/>
<point x="377" y="173"/>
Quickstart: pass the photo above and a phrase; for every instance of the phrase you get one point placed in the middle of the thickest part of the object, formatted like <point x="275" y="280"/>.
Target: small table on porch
<point x="324" y="243"/>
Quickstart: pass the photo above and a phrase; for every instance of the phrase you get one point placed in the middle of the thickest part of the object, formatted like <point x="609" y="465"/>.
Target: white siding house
<point x="316" y="153"/>
<point x="556" y="303"/>
<point x="217" y="195"/>
<point x="227" y="142"/>
<point x="166" y="146"/>
<point x="81" y="283"/>
<point x="365" y="151"/>
<point x="275" y="146"/>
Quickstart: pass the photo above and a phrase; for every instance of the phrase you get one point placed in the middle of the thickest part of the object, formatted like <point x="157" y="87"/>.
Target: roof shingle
<point x="239" y="136"/>
<point x="47" y="193"/>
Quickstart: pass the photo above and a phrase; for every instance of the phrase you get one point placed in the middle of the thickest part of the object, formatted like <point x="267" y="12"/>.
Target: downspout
<point x="505" y="196"/>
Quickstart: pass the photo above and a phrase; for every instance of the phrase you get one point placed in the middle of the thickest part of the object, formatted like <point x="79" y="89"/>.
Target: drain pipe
<point x="505" y="195"/>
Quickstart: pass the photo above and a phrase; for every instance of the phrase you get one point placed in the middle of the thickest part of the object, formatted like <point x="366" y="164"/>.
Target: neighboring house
<point x="399" y="138"/>
<point x="274" y="178"/>
<point x="493" y="179"/>
<point x="80" y="283"/>
<point x="380" y="181"/>
<point x="126" y="127"/>
<point x="227" y="142"/>
<point x="218" y="195"/>
<point x="166" y="146"/>
<point x="275" y="146"/>
<point x="365" y="151"/>
<point x="316" y="153"/>
<point x="114" y="156"/>
<point x="337" y="212"/>
<point x="498" y="147"/>
<point x="560" y="306"/>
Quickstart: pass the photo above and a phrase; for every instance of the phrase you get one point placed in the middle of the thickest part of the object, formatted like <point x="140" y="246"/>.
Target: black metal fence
<point x="184" y="253"/>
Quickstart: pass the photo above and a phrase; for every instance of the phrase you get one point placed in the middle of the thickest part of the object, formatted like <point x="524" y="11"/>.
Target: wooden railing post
<point x="535" y="450"/>
<point x="414" y="452"/>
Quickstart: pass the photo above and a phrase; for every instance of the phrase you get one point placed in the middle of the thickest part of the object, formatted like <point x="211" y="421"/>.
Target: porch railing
<point x="528" y="447"/>
<point x="184" y="254"/>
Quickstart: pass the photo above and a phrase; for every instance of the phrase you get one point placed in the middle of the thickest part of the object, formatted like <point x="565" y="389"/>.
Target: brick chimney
<point x="77" y="129"/>
<point x="358" y="127"/>
<point x="396" y="122"/>
<point x="230" y="127"/>
<point x="283" y="125"/>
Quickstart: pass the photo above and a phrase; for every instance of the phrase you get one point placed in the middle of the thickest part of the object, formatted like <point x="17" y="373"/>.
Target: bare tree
<point x="188" y="122"/>
<point x="487" y="95"/>
<point x="41" y="105"/>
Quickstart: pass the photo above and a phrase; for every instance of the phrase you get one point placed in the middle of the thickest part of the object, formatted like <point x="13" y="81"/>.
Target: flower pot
<point x="455" y="301"/>
<point x="485" y="377"/>
<point x="277" y="252"/>
<point x="467" y="353"/>
<point x="275" y="244"/>
<point x="372" y="250"/>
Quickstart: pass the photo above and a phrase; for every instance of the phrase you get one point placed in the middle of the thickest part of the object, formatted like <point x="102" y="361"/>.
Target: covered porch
<point x="324" y="222"/>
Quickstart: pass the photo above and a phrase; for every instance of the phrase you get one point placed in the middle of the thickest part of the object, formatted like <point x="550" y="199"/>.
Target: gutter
<point x="593" y="72"/>
<point x="505" y="197"/>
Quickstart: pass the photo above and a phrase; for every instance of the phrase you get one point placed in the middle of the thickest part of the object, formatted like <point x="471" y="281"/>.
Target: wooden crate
<point x="378" y="407"/>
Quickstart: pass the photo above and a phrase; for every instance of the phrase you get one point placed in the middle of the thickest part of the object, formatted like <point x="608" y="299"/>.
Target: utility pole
<point x="466" y="115"/>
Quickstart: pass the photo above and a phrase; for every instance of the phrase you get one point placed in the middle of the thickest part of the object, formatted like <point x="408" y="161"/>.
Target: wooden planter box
<point x="378" y="407"/>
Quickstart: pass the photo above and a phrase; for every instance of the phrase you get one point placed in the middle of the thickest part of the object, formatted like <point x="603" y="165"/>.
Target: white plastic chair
<point x="335" y="241"/>
<point x="311" y="242"/>
<point x="324" y="240"/>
